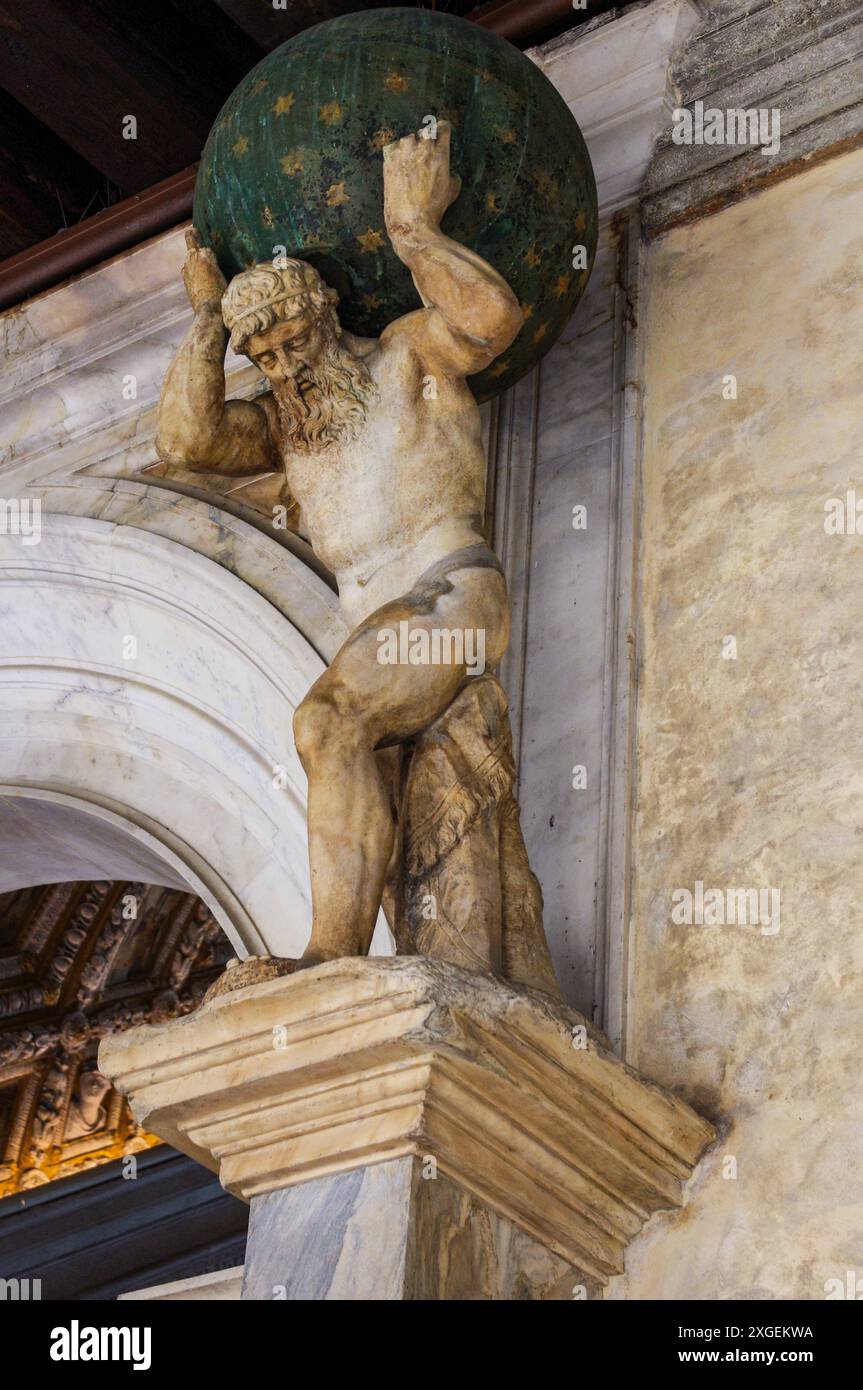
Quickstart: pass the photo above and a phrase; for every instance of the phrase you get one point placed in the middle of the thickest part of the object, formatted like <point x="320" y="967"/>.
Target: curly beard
<point x="325" y="405"/>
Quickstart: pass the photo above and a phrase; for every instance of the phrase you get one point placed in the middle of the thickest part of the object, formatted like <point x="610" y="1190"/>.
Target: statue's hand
<point x="418" y="185"/>
<point x="205" y="283"/>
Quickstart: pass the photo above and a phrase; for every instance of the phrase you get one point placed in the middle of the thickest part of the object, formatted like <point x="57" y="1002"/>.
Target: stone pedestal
<point x="407" y="1129"/>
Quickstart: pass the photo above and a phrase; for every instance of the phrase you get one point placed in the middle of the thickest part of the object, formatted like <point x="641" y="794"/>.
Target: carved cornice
<point x="613" y="75"/>
<point x="518" y="1099"/>
<point x="801" y="57"/>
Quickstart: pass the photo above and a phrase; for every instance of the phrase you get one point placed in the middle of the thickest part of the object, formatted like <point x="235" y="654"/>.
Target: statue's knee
<point x="313" y="725"/>
<point x="326" y="724"/>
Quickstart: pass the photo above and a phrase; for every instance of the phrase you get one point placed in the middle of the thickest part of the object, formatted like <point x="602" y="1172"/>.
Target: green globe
<point x="293" y="165"/>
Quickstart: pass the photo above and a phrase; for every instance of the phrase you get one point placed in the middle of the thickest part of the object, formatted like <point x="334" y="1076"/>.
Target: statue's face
<point x="289" y="347"/>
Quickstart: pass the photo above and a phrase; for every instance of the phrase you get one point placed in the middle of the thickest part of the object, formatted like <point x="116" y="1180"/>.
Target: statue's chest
<point x="333" y="472"/>
<point x="363" y="467"/>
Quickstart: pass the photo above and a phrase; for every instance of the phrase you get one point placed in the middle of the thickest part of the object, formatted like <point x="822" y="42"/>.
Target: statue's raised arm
<point x="197" y="428"/>
<point x="471" y="314"/>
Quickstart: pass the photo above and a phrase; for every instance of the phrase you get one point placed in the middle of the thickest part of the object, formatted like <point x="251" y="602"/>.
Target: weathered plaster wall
<point x="750" y="770"/>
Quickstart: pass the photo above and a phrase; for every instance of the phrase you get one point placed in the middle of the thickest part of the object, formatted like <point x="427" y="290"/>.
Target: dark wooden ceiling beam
<point x="537" y="19"/>
<point x="269" y="27"/>
<point x="266" y="26"/>
<point x="81" y="66"/>
<point x="220" y="32"/>
<point x="97" y="238"/>
<point x="44" y="186"/>
<point x="169" y="202"/>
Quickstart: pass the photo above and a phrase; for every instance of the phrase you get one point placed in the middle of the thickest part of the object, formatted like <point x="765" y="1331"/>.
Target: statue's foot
<point x="239" y="974"/>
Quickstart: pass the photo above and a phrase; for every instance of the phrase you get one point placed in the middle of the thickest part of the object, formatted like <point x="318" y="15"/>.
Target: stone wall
<point x="749" y="765"/>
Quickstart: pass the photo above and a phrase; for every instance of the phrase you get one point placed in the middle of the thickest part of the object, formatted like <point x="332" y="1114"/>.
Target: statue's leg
<point x="526" y="957"/>
<point x="359" y="704"/>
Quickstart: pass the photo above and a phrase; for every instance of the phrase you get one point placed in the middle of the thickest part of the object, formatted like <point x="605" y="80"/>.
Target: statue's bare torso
<point x="408" y="489"/>
<point x="381" y="446"/>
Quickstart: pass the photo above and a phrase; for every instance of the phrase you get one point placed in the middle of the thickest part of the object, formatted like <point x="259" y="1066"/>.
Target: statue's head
<point x="92" y="1085"/>
<point x="282" y="318"/>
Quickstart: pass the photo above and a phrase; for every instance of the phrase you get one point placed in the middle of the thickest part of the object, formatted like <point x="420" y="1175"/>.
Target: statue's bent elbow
<point x="177" y="452"/>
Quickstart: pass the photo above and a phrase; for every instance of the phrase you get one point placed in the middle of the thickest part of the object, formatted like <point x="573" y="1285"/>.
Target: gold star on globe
<point x="562" y="286"/>
<point x="336" y="195"/>
<point x="283" y="105"/>
<point x="397" y="83"/>
<point x="240" y="146"/>
<point x="331" y="113"/>
<point x="371" y="240"/>
<point x="292" y="163"/>
<point x="382" y="137"/>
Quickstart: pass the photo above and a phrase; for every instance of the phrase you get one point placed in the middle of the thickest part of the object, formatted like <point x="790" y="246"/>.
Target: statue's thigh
<point x="401" y="667"/>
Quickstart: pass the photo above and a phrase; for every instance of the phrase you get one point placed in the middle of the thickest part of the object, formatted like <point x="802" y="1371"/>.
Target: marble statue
<point x="405" y="738"/>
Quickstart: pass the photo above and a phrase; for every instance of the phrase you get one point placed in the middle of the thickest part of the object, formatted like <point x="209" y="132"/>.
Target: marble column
<point x="406" y="1129"/>
<point x="396" y="1230"/>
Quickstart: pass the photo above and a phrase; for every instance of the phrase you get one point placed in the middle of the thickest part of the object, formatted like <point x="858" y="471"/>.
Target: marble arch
<point x="146" y="699"/>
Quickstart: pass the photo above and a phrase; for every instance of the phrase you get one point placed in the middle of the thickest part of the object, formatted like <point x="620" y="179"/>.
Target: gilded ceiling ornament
<point x="153" y="951"/>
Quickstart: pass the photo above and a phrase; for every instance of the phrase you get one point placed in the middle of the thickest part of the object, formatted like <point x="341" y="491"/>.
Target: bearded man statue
<point x="325" y="404"/>
<point x="380" y="444"/>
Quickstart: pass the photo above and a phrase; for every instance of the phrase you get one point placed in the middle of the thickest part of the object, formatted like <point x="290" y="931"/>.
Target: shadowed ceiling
<point x="71" y="70"/>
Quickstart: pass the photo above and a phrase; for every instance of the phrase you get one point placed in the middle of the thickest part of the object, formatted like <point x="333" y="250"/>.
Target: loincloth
<point x="434" y="582"/>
